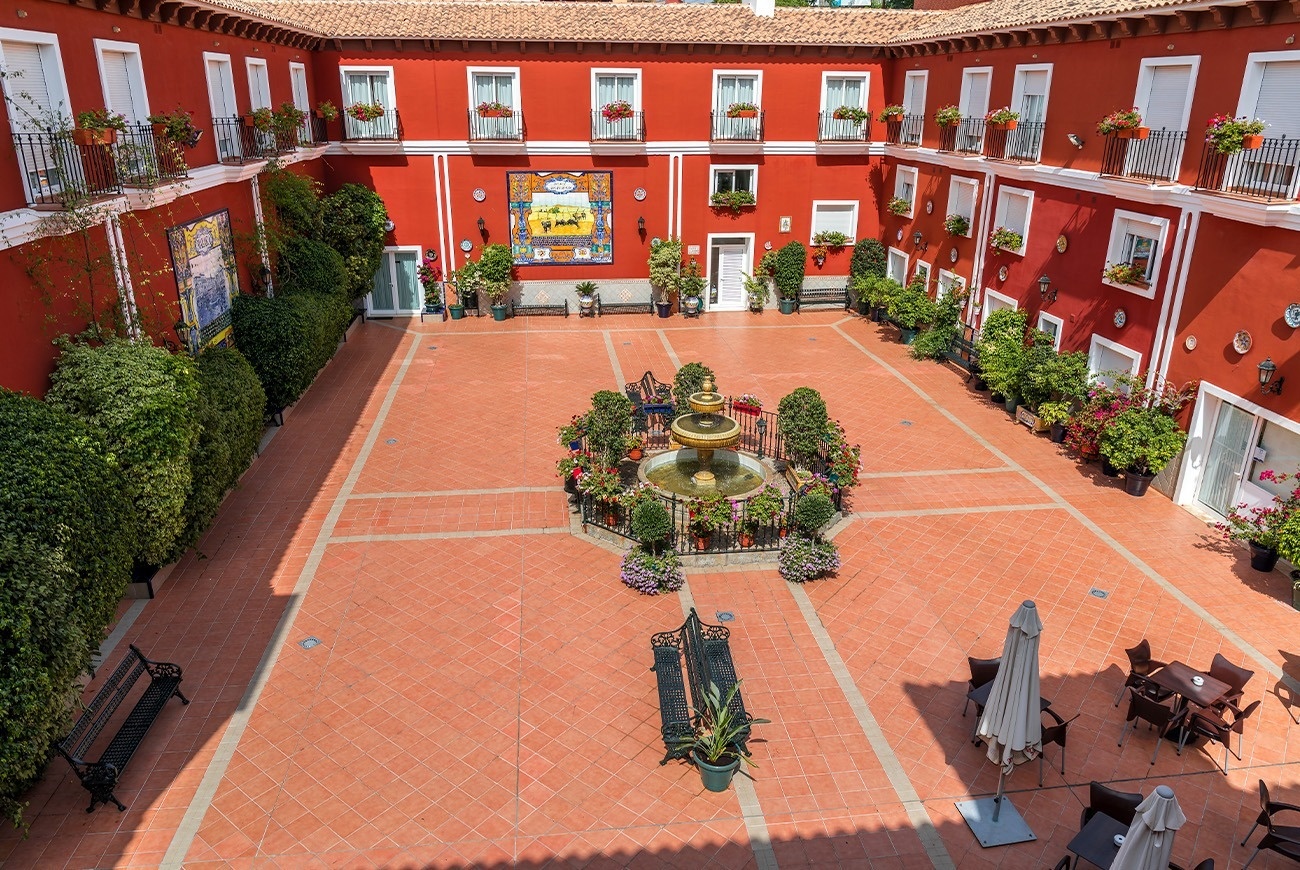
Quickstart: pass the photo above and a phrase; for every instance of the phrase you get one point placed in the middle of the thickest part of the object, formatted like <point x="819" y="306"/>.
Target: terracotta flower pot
<point x="634" y="453"/>
<point x="1252" y="141"/>
<point x="702" y="541"/>
<point x="746" y="539"/>
<point x="493" y="113"/>
<point x="1003" y="125"/>
<point x="743" y="113"/>
<point x="1141" y="132"/>
<point x="83" y="136"/>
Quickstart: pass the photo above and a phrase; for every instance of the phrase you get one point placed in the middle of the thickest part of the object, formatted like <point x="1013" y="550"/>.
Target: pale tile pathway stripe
<point x="225" y="752"/>
<point x="446" y="536"/>
<point x="933" y="472"/>
<point x="1105" y="537"/>
<point x="613" y="360"/>
<point x="672" y="354"/>
<point x="445" y="493"/>
<point x="953" y="511"/>
<point x="889" y="762"/>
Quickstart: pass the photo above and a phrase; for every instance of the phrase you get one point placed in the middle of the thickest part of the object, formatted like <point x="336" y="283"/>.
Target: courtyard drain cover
<point x="905" y="422"/>
<point x="1098" y="593"/>
<point x="812" y="339"/>
<point x="627" y="344"/>
<point x="726" y="616"/>
<point x="391" y="441"/>
<point x="309" y="642"/>
<point x="433" y="347"/>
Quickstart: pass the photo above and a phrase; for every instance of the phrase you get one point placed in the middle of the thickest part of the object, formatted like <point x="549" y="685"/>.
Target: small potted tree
<point x="762" y="511"/>
<point x="665" y="273"/>
<point x="791" y="260"/>
<point x="715" y="745"/>
<point x="1002" y="351"/>
<point x="801" y="420"/>
<point x="496" y="268"/>
<point x="911" y="308"/>
<point x="757" y="290"/>
<point x="429" y="273"/>
<point x="691" y="283"/>
<point x="1141" y="441"/>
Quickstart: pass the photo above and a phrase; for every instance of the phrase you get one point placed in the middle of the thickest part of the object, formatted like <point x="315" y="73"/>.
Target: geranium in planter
<point x="948" y="116"/>
<point x="1261" y="527"/>
<point x="891" y="114"/>
<point x="176" y="126"/>
<point x="1004" y="239"/>
<point x="327" y="111"/>
<point x="1229" y="135"/>
<point x="1141" y="441"/>
<point x="365" y="112"/>
<point x="618" y="110"/>
<point x="708" y="514"/>
<point x="262" y="120"/>
<point x="1002" y="119"/>
<point x="732" y="199"/>
<point x="98" y="127"/>
<point x="494" y="109"/>
<point x="899" y="206"/>
<point x="742" y="110"/>
<point x="1125" y="273"/>
<point x="429" y="272"/>
<point x="1125" y="123"/>
<point x="747" y="403"/>
<point x="856" y="114"/>
<point x="956" y="224"/>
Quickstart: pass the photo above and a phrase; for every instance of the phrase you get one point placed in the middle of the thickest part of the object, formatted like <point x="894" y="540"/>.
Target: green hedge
<point x="66" y="545"/>
<point x="791" y="260"/>
<point x="231" y="402"/>
<point x="307" y="266"/>
<point x="287" y="339"/>
<point x="869" y="259"/>
<point x="354" y="219"/>
<point x="141" y="400"/>
<point x="295" y="201"/>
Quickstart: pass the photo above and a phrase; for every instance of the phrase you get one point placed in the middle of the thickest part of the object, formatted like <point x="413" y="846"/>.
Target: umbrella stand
<point x="995" y="821"/>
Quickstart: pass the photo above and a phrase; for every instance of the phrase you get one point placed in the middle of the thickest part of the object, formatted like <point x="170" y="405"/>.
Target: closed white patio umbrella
<point x="1150" y="839"/>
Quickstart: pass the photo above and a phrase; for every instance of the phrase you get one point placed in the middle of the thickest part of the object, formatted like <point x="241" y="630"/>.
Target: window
<point x="1164" y="92"/>
<point x="613" y="86"/>
<point x="259" y="84"/>
<point x="221" y="99"/>
<point x="905" y="187"/>
<point x="1106" y="358"/>
<point x="396" y="287"/>
<point x="961" y="200"/>
<point x="298" y="82"/>
<point x="34" y="87"/>
<point x="1136" y="240"/>
<point x="843" y="89"/>
<point x="949" y="282"/>
<point x="1029" y="98"/>
<point x="1014" y="206"/>
<point x="994" y="301"/>
<point x="914" y="104"/>
<point x="829" y="216"/>
<point x="922" y="273"/>
<point x="974" y="105"/>
<point x="1053" y="326"/>
<point x="896" y="267"/>
<point x="729" y="178"/>
<point x="494" y="86"/>
<point x="366" y="84"/>
<point x="1268" y="92"/>
<point x="736" y="87"/>
<point x="122" y="78"/>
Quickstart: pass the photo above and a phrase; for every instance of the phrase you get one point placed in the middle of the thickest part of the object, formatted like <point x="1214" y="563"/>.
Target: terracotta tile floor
<point x="480" y="696"/>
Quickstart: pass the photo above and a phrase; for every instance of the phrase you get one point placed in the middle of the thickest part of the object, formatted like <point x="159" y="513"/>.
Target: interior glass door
<point x="1221" y="480"/>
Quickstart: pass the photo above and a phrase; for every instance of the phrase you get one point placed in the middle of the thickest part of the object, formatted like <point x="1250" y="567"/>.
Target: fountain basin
<point x="735" y="474"/>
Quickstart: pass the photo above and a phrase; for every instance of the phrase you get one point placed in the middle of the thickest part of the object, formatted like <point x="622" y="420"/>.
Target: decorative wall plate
<point x="767" y="246"/>
<point x="656" y="240"/>
<point x="929" y="206"/>
<point x="1292" y="315"/>
<point x="1241" y="342"/>
<point x="1061" y="244"/>
<point x="638" y="194"/>
<point x="1190" y="342"/>
<point x="1120" y="318"/>
<point x="1002" y="273"/>
<point x="899" y="235"/>
<point x="466" y="245"/>
<point x="479" y="194"/>
<point x="952" y="255"/>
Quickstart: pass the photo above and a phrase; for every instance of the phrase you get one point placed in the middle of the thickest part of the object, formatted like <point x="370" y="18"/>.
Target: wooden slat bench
<point x="603" y="308"/>
<point x="101" y="777"/>
<point x="824" y="296"/>
<point x="706" y="652"/>
<point x="559" y="309"/>
<point x="963" y="352"/>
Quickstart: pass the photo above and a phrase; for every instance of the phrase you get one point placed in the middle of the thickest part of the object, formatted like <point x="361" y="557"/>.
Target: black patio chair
<point x="1225" y="671"/>
<point x="1141" y="666"/>
<point x="1119" y="805"/>
<point x="1218" y="728"/>
<point x="1055" y="733"/>
<point x="1275" y="841"/>
<point x="1269" y="808"/>
<point x="1145" y="709"/>
<point x="982" y="672"/>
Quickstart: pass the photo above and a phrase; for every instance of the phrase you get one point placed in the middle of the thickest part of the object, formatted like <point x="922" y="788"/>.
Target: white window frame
<point x="391" y="263"/>
<point x="1094" y="351"/>
<point x="999" y="212"/>
<point x="1254" y="75"/>
<point x="391" y="102"/>
<point x="53" y="67"/>
<point x="306" y="84"/>
<point x="1121" y="224"/>
<point x="755" y="74"/>
<point x="136" y="76"/>
<point x="516" y="93"/>
<point x="853" y="231"/>
<point x="906" y="175"/>
<point x="973" y="183"/>
<point x="732" y="167"/>
<point x="251" y="63"/>
<point x="890" y="259"/>
<point x="924" y="76"/>
<point x="963" y="101"/>
<point x="1058" y="322"/>
<point x="827" y="75"/>
<point x="929" y="272"/>
<point x="989" y="295"/>
<point x="634" y="71"/>
<point x="948" y="278"/>
<point x="230" y="80"/>
<point x="1146" y="72"/>
<point x="1018" y="85"/>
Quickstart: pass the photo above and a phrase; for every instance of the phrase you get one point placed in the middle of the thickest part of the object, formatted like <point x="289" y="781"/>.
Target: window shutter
<point x="299" y="81"/>
<point x="833" y="219"/>
<point x="117" y="84"/>
<point x="914" y="97"/>
<point x="259" y="91"/>
<point x="976" y="104"/>
<point x="1277" y="104"/>
<point x="1015" y="208"/>
<point x="1035" y="83"/>
<point x="965" y="201"/>
<point x="26" y="75"/>
<point x="223" y="101"/>
<point x="1167" y="99"/>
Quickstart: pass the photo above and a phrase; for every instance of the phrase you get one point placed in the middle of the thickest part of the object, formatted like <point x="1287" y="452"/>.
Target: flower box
<point x="1004" y="125"/>
<point x="742" y="408"/>
<point x="493" y="113"/>
<point x="1252" y="141"/>
<point x="1133" y="132"/>
<point x="86" y="136"/>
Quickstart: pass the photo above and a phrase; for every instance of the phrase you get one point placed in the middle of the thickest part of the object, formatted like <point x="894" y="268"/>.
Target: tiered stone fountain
<point x="705" y="464"/>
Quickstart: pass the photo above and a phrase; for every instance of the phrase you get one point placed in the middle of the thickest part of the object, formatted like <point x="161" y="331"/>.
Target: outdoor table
<point x="1177" y="678"/>
<point x="1096" y="842"/>
<point x="981" y="696"/>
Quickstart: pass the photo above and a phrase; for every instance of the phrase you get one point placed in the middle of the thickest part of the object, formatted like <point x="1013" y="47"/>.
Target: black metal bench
<point x="964" y="353"/>
<point x="101" y="777"/>
<point x="649" y="398"/>
<point x="706" y="651"/>
<point x="824" y="296"/>
<point x="603" y="308"/>
<point x="555" y="310"/>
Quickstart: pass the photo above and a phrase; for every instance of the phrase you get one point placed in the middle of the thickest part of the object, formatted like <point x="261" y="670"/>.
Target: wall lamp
<point x="482" y="227"/>
<point x="919" y="241"/>
<point x="1046" y="290"/>
<point x="640" y="225"/>
<point x="1266" y="383"/>
<point x="1075" y="139"/>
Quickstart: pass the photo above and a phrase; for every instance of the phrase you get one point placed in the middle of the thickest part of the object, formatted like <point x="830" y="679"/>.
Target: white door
<point x="1221" y="480"/>
<point x="736" y="89"/>
<point x="1273" y="170"/>
<point x="729" y="279"/>
<point x="610" y="89"/>
<point x="1162" y="101"/>
<point x="396" y="288"/>
<point x="496" y="88"/>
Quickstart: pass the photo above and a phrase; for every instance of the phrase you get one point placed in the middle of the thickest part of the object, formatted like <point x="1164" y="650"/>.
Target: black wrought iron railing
<point x="748" y="128"/>
<point x="57" y="171"/>
<point x="833" y="129"/>
<point x="387" y="127"/>
<point x="968" y="136"/>
<point x="147" y="159"/>
<point x="238" y="142"/>
<point x="1023" y="144"/>
<point x="629" y="129"/>
<point x="315" y="131"/>
<point x="496" y="128"/>
<point x="1269" y="173"/>
<point x="1155" y="158"/>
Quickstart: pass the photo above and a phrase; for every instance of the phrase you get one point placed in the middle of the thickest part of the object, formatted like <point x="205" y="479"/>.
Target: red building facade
<point x="1213" y="237"/>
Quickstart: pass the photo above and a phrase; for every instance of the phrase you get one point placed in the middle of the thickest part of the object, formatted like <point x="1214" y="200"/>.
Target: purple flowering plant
<point x="651" y="574"/>
<point x="803" y="558"/>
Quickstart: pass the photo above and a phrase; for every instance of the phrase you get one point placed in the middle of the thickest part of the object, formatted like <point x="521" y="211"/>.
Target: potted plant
<point x="649" y="572"/>
<point x="747" y="403"/>
<point x="790" y="263"/>
<point x="1258" y="527"/>
<point x="692" y="288"/>
<point x="1003" y="353"/>
<point x="891" y="114"/>
<point x="1141" y="441"/>
<point x="1002" y="119"/>
<point x="948" y="116"/>
<point x="742" y="110"/>
<point x="1004" y="239"/>
<point x="262" y="119"/>
<point x="1125" y="273"/>
<point x="762" y="511"/>
<point x="586" y="291"/>
<point x="467" y="283"/>
<point x="830" y="240"/>
<point x="176" y="126"/>
<point x="732" y="199"/>
<point x="572" y="433"/>
<point x="98" y="127"/>
<point x="496" y="267"/>
<point x="572" y="467"/>
<point x="608" y="425"/>
<point x="327" y="111"/>
<point x="708" y="513"/>
<point x="617" y="110"/>
<point x="605" y="486"/>
<point x="879" y="291"/>
<point x="494" y="109"/>
<point x="665" y="272"/>
<point x="803" y="558"/>
<point x="1229" y="135"/>
<point x="911" y="308"/>
<point x="365" y="112"/>
<point x="856" y="114"/>
<point x="899" y="206"/>
<point x="287" y="122"/>
<point x="801" y="422"/>
<point x="1123" y="123"/>
<point x="429" y="274"/>
<point x="715" y="745"/>
<point x="1056" y="415"/>
<point x="860" y="288"/>
<point x="757" y="290"/>
<point x="956" y="224"/>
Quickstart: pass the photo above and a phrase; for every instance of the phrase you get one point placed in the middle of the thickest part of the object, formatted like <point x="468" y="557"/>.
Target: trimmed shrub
<point x="801" y="419"/>
<point x="295" y="202"/>
<point x="609" y="423"/>
<point x="307" y="266"/>
<point x="813" y="511"/>
<point x="651" y="523"/>
<point x="66" y="545"/>
<point x="230" y="405"/>
<point x="288" y="339"/>
<point x="141" y="400"/>
<point x="935" y="341"/>
<point x="791" y="260"/>
<point x="689" y="379"/>
<point x="353" y="218"/>
<point x="869" y="259"/>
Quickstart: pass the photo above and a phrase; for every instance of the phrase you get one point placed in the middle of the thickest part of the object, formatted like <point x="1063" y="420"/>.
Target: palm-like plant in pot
<point x="716" y="745"/>
<point x="1142" y="441"/>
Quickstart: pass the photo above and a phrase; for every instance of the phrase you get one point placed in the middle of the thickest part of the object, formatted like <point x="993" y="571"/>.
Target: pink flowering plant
<point x="1121" y="119"/>
<point x="616" y="110"/>
<point x="711" y="512"/>
<point x="1262" y="525"/>
<point x="749" y="399"/>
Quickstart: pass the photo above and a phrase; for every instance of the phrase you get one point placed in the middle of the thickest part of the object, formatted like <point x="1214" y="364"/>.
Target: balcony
<point x="905" y="130"/>
<point x="386" y="128"/>
<point x="1156" y="158"/>
<point x="964" y="137"/>
<point x="239" y="143"/>
<point x="495" y="128"/>
<point x="58" y="172"/>
<point x="629" y="130"/>
<point x="1021" y="145"/>
<point x="832" y="129"/>
<point x="739" y="129"/>
<point x="314" y="131"/>
<point x="1268" y="173"/>
<point x="145" y="158"/>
